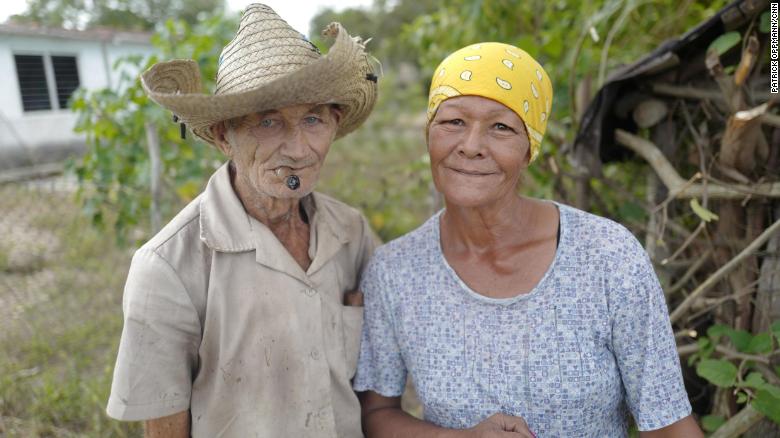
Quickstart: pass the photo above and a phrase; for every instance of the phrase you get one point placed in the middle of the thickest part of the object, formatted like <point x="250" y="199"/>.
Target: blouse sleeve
<point x="381" y="367"/>
<point x="643" y="343"/>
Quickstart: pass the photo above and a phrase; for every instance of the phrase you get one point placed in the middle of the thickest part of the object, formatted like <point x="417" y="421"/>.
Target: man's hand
<point x="172" y="426"/>
<point x="501" y="425"/>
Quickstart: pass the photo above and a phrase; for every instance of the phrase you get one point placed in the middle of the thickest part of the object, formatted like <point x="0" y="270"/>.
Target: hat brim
<point x="341" y="77"/>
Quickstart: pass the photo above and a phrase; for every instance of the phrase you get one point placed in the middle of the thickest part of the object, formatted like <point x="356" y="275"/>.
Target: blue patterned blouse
<point x="589" y="344"/>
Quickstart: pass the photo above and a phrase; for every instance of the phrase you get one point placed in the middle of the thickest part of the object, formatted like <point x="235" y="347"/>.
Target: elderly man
<point x="236" y="315"/>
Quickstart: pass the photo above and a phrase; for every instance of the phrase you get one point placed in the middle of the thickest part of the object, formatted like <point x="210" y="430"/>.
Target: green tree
<point x="114" y="172"/>
<point x="382" y="22"/>
<point x="121" y="14"/>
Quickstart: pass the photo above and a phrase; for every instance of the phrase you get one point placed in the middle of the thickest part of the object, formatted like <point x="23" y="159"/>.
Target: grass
<point x="60" y="319"/>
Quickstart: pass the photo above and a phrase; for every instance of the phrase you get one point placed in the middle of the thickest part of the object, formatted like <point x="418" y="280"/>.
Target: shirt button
<point x="315" y="354"/>
<point x="311" y="292"/>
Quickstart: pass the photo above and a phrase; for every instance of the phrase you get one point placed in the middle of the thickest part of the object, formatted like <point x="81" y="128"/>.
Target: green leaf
<point x="711" y="423"/>
<point x="767" y="405"/>
<point x="718" y="330"/>
<point x="703" y="213"/>
<point x="632" y="211"/>
<point x="772" y="389"/>
<point x="718" y="372"/>
<point x="764" y="26"/>
<point x="706" y="347"/>
<point x="741" y="339"/>
<point x="725" y="42"/>
<point x="755" y="380"/>
<point x="776" y="330"/>
<point x="760" y="344"/>
<point x="741" y="398"/>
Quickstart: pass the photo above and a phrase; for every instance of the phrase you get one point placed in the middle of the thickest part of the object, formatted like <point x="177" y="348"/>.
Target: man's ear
<point x="338" y="113"/>
<point x="219" y="133"/>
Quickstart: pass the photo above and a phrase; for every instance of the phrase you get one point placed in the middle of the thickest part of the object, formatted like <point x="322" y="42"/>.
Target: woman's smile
<point x="470" y="172"/>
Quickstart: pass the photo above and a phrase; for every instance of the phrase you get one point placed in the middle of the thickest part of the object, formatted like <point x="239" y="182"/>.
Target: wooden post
<point x="155" y="164"/>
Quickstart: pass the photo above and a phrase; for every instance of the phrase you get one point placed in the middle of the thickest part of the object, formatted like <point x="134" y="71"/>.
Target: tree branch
<point x="738" y="424"/>
<point x="727" y="353"/>
<point x="689" y="273"/>
<point x="724" y="270"/>
<point x="680" y="188"/>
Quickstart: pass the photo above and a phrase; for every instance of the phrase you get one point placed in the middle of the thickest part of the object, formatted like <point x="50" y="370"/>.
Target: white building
<point x="40" y="68"/>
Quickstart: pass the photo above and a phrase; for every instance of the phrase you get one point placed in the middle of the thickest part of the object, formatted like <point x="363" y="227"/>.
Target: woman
<point x="514" y="316"/>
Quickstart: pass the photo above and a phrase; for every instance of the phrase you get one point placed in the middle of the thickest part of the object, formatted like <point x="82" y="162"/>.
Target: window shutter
<point x="32" y="82"/>
<point x="66" y="76"/>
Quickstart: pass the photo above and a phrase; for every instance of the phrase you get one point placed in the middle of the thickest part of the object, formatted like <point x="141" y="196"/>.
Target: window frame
<point x="51" y="79"/>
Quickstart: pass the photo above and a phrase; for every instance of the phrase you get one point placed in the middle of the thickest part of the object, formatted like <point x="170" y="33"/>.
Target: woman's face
<point x="478" y="148"/>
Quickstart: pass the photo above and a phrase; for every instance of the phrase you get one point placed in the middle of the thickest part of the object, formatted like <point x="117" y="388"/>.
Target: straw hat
<point x="268" y="65"/>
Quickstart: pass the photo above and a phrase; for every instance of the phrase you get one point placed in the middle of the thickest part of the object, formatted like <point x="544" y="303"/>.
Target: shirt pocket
<point x="352" y="326"/>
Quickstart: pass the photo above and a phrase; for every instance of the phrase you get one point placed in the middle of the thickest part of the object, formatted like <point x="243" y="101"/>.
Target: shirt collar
<point x="225" y="226"/>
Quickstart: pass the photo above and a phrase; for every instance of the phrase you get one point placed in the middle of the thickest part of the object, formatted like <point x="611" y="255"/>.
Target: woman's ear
<point x="528" y="156"/>
<point x="219" y="133"/>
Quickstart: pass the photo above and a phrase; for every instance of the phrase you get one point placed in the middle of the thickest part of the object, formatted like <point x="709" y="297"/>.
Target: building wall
<point x="36" y="136"/>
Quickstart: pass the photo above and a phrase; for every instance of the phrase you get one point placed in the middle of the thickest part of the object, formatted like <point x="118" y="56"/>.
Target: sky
<point x="296" y="12"/>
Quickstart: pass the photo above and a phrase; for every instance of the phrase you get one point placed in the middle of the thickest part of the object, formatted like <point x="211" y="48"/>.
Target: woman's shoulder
<point x="588" y="230"/>
<point x="415" y="243"/>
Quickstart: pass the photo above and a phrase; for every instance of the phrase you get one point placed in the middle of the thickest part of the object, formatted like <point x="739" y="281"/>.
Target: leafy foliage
<point x="742" y="371"/>
<point x="114" y="173"/>
<point x="117" y="14"/>
<point x="381" y="23"/>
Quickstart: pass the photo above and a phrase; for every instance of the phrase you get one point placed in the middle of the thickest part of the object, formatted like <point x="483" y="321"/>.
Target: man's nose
<point x="295" y="145"/>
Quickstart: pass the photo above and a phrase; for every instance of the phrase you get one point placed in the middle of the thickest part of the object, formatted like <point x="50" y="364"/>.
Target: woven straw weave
<point x="268" y="65"/>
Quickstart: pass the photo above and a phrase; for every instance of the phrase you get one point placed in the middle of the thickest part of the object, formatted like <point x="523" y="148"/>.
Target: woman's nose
<point x="472" y="145"/>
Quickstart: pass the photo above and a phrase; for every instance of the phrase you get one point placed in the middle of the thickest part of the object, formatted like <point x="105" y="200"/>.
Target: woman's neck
<point x="487" y="227"/>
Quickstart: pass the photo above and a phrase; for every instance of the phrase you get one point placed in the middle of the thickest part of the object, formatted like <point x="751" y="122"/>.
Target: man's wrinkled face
<point x="269" y="146"/>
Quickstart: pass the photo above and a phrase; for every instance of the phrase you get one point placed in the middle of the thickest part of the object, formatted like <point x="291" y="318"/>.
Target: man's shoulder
<point x="183" y="229"/>
<point x="337" y="207"/>
<point x="348" y="218"/>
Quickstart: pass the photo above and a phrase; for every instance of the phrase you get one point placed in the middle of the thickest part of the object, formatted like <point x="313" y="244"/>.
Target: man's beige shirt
<point x="221" y="320"/>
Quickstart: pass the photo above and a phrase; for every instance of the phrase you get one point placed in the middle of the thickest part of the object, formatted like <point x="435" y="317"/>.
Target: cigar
<point x="293" y="182"/>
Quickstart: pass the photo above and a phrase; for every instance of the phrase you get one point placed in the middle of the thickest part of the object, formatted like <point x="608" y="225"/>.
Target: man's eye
<point x="312" y="120"/>
<point x="267" y="123"/>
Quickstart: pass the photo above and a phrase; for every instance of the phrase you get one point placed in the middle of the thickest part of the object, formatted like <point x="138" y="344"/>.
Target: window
<point x="66" y="75"/>
<point x="32" y="82"/>
<point x="46" y="82"/>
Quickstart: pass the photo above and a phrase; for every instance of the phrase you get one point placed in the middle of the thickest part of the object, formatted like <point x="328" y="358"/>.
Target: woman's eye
<point x="456" y="122"/>
<point x="503" y="127"/>
<point x="267" y="123"/>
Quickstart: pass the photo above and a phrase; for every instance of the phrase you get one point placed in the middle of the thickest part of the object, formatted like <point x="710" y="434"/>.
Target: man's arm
<point x="685" y="428"/>
<point x="383" y="418"/>
<point x="172" y="426"/>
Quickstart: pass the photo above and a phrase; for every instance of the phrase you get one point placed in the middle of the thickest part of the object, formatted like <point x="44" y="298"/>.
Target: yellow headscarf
<point x="500" y="72"/>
